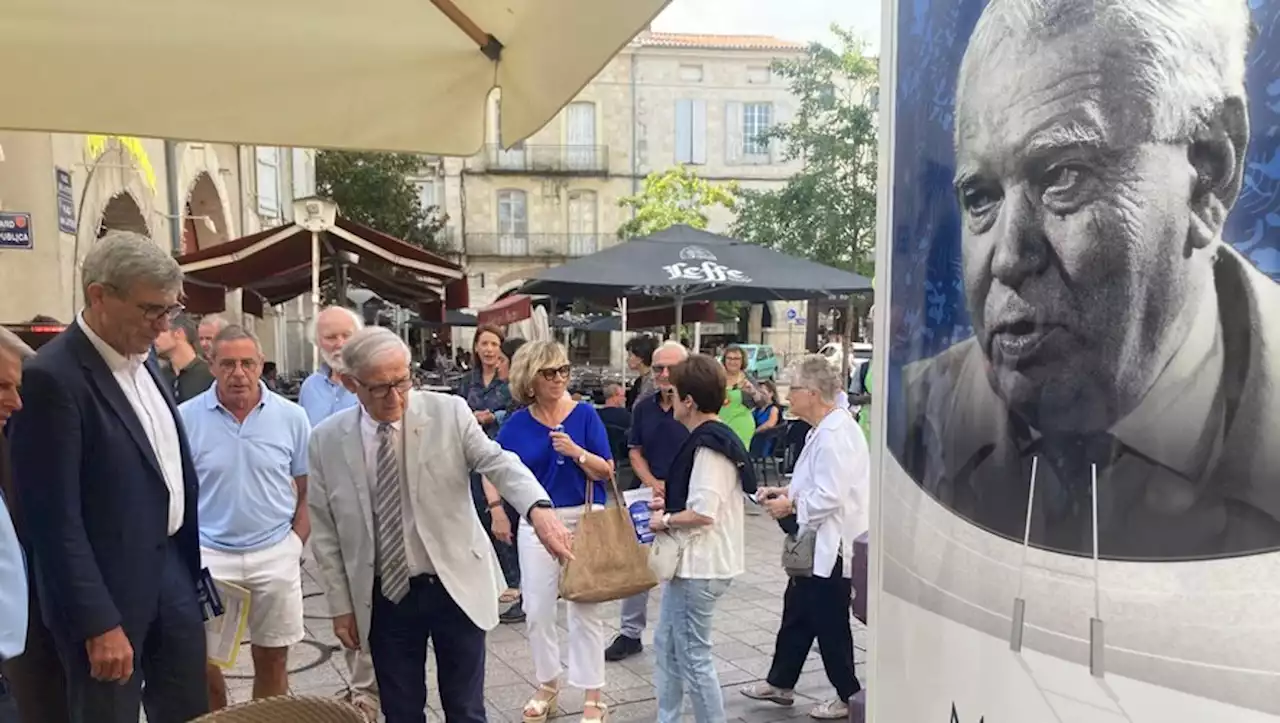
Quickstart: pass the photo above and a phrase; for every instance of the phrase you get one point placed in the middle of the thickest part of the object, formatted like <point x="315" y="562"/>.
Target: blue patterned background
<point x="927" y="304"/>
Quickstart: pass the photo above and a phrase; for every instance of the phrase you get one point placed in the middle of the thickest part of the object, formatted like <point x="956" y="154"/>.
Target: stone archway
<point x="123" y="213"/>
<point x="204" y="222"/>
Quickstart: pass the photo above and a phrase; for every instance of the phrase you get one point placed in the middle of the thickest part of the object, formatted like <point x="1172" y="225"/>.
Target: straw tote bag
<point x="608" y="561"/>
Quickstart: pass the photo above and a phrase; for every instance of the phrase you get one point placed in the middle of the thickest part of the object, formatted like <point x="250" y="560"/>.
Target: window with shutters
<point x="304" y="173"/>
<point x="513" y="223"/>
<point x="268" y="180"/>
<point x="580" y="136"/>
<point x="756" y="120"/>
<point x="691" y="131"/>
<point x="582" y="223"/>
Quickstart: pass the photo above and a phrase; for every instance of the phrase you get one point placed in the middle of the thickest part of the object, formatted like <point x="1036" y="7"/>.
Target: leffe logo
<point x="955" y="717"/>
<point x="710" y="271"/>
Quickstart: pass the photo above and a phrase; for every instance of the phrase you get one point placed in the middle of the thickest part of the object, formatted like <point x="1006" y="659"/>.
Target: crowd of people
<point x="144" y="456"/>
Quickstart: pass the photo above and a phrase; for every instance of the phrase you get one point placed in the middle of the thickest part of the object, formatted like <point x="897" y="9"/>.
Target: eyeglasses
<point x="380" y="391"/>
<point x="151" y="312"/>
<point x="660" y="369"/>
<point x="229" y="365"/>
<point x="552" y="373"/>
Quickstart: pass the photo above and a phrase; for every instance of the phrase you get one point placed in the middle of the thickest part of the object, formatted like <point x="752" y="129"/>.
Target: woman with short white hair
<point x="824" y="509"/>
<point x="565" y="445"/>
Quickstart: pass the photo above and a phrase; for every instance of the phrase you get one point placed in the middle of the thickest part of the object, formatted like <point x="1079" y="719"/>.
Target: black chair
<point x="766" y="448"/>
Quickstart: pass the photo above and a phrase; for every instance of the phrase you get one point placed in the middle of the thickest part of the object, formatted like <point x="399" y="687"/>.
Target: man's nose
<point x="1021" y="247"/>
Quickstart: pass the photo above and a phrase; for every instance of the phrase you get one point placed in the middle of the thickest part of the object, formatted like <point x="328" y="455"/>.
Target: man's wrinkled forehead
<point x="1030" y="95"/>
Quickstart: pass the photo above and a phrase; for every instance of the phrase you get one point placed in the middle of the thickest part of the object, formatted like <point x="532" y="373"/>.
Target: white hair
<point x="313" y="331"/>
<point x="673" y="344"/>
<point x="11" y="345"/>
<point x="366" y="346"/>
<point x="813" y="371"/>
<point x="122" y="259"/>
<point x="1186" y="57"/>
<point x="219" y="322"/>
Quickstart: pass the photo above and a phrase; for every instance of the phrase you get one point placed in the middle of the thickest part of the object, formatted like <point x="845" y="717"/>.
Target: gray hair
<point x="234" y="332"/>
<point x="1187" y="57"/>
<point x="313" y="330"/>
<point x="122" y="259"/>
<point x="218" y="321"/>
<point x="11" y="344"/>
<point x="813" y="371"/>
<point x="673" y="344"/>
<point x="366" y="346"/>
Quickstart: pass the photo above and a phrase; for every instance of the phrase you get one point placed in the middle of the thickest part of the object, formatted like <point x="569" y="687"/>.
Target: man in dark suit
<point x="109" y="497"/>
<point x="33" y="678"/>
<point x="1121" y="349"/>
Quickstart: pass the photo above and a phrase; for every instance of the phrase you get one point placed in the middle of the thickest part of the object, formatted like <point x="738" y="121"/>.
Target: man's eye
<point x="1062" y="178"/>
<point x="978" y="199"/>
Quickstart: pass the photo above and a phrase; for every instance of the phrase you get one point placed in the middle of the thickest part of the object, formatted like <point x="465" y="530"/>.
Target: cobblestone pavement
<point x="745" y="625"/>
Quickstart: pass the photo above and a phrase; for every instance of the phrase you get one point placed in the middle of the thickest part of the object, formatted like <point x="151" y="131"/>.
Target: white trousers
<point x="540" y="587"/>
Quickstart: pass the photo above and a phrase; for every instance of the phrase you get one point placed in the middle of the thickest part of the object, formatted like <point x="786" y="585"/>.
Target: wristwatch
<point x="582" y="458"/>
<point x="539" y="505"/>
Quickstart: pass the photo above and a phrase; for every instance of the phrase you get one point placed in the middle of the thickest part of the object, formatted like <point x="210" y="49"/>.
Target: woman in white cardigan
<point x="830" y="493"/>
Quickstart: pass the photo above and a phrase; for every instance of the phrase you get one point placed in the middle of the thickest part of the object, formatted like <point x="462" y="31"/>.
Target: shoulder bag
<point x="608" y="561"/>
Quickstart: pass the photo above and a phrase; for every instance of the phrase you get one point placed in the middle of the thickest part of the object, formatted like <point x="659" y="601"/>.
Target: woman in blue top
<point x="564" y="444"/>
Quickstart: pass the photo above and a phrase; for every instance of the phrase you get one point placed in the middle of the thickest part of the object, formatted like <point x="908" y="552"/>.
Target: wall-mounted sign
<point x="15" y="230"/>
<point x="66" y="201"/>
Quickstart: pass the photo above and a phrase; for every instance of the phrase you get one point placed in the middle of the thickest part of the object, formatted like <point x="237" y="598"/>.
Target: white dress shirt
<point x="144" y="395"/>
<point x="415" y="548"/>
<point x="831" y="489"/>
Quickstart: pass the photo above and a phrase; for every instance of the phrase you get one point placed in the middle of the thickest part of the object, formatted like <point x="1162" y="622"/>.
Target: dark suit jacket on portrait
<point x="1179" y="487"/>
<point x="94" y="500"/>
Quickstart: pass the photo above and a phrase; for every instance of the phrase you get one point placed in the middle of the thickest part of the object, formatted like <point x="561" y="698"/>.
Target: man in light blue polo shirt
<point x="249" y="446"/>
<point x="322" y="394"/>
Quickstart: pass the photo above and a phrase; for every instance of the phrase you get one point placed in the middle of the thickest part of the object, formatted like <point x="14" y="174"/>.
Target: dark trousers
<point x="816" y="608"/>
<point x="35" y="678"/>
<point x="398" y="635"/>
<point x="168" y="654"/>
<point x="508" y="557"/>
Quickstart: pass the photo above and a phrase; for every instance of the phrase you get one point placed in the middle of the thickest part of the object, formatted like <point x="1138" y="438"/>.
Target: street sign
<point x="800" y="321"/>
<point x="792" y="314"/>
<point x="15" y="230"/>
<point x="66" y="201"/>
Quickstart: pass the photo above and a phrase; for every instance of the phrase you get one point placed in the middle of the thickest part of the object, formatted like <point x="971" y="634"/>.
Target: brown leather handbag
<point x="608" y="563"/>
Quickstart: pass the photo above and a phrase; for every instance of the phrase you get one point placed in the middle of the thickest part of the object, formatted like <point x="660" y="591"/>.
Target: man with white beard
<point x="322" y="395"/>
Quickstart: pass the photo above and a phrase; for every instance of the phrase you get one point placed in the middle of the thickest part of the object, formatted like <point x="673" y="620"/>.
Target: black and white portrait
<point x="1125" y="361"/>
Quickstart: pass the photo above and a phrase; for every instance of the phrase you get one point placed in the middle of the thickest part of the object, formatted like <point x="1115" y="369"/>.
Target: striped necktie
<point x="392" y="565"/>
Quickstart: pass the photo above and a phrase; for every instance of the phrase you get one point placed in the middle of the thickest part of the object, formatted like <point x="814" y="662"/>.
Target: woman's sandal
<point x="599" y="707"/>
<point x="510" y="595"/>
<point x="542" y="707"/>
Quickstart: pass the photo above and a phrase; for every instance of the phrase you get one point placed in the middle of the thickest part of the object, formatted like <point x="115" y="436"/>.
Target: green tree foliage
<point x="374" y="189"/>
<point x="674" y="196"/>
<point x="827" y="211"/>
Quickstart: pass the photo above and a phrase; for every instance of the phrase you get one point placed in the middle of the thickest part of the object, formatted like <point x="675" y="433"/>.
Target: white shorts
<point x="273" y="577"/>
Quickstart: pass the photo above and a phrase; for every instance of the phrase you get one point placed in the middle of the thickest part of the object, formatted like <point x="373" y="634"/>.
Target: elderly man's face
<point x="1077" y="264"/>
<point x="133" y="318"/>
<point x="333" y="328"/>
<point x="10" y="386"/>
<point x="383" y="388"/>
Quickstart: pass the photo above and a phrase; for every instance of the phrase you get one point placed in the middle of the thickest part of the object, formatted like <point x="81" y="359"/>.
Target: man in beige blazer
<point x="402" y="555"/>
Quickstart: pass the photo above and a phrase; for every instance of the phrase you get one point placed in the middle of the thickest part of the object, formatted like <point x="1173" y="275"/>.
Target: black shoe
<point x="512" y="615"/>
<point x="622" y="648"/>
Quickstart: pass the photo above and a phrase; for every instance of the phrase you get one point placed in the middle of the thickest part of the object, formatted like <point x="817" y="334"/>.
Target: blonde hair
<point x="531" y="358"/>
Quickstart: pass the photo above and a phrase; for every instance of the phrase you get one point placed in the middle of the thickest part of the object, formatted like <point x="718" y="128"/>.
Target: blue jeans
<point x="683" y="643"/>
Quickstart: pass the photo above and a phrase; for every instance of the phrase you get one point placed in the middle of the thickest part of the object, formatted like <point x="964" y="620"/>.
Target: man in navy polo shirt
<point x="249" y="446"/>
<point x="656" y="436"/>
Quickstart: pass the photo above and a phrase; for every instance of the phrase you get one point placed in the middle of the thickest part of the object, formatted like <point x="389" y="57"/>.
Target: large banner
<point x="1079" y="492"/>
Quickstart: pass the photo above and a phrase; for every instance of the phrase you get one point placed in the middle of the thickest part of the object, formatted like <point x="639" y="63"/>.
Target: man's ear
<point x="1217" y="153"/>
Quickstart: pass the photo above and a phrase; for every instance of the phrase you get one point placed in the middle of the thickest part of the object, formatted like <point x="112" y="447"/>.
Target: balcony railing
<point x="535" y="245"/>
<point x="573" y="160"/>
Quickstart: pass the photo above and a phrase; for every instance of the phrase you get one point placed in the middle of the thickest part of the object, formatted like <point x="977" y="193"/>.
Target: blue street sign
<point x="792" y="314"/>
<point x="66" y="202"/>
<point x="15" y="230"/>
